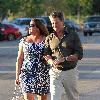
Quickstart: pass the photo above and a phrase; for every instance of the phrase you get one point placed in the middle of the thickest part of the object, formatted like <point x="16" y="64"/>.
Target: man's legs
<point x="56" y="86"/>
<point x="63" y="85"/>
<point x="70" y="79"/>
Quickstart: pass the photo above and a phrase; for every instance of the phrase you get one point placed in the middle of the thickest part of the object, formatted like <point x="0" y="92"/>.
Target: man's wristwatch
<point x="66" y="58"/>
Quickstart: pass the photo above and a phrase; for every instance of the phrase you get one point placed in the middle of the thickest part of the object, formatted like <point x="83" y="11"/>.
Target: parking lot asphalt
<point x="89" y="81"/>
<point x="88" y="89"/>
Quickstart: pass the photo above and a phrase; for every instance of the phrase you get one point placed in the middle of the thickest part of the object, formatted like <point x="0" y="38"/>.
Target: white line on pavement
<point x="8" y="72"/>
<point x="90" y="72"/>
<point x="83" y="72"/>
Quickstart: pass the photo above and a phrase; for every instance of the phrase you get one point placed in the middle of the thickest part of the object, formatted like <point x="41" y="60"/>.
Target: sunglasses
<point x="32" y="25"/>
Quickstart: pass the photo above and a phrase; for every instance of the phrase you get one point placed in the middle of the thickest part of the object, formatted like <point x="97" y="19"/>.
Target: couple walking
<point x="42" y="54"/>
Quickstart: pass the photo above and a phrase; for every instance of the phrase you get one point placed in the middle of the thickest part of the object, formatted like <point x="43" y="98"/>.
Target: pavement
<point x="89" y="89"/>
<point x="89" y="77"/>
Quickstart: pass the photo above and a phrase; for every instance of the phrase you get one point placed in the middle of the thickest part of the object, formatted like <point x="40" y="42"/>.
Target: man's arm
<point x="78" y="49"/>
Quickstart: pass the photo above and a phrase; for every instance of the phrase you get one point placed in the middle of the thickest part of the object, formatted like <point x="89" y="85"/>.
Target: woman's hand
<point x="17" y="81"/>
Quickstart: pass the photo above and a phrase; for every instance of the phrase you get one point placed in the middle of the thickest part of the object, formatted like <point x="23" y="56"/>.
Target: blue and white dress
<point x="34" y="75"/>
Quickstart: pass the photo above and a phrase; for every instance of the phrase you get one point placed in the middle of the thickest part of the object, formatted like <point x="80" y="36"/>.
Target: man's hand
<point x="54" y="62"/>
<point x="58" y="61"/>
<point x="72" y="57"/>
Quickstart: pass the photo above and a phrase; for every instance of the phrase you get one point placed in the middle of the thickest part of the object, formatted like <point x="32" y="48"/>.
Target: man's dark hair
<point x="57" y="14"/>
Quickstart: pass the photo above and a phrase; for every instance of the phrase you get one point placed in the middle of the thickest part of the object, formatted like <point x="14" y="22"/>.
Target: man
<point x="62" y="51"/>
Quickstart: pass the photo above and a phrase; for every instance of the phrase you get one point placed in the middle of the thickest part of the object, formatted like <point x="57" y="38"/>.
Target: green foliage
<point x="96" y="7"/>
<point x="31" y="8"/>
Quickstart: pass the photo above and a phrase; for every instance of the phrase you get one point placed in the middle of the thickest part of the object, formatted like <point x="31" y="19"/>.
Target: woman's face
<point x="33" y="30"/>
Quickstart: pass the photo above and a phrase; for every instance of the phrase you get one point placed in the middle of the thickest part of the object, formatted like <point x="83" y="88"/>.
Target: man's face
<point x="58" y="25"/>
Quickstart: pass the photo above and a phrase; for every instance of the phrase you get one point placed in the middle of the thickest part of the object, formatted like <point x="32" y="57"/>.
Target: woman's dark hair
<point x="41" y="26"/>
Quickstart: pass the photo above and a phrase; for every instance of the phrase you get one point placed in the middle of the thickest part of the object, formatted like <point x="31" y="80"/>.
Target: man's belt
<point x="65" y="68"/>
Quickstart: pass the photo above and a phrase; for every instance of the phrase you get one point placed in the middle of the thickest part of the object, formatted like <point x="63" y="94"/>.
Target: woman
<point x="31" y="70"/>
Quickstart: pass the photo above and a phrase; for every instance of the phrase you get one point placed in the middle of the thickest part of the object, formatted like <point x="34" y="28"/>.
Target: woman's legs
<point x="42" y="97"/>
<point x="28" y="96"/>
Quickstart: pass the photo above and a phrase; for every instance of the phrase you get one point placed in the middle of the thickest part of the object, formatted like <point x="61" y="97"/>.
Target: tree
<point x="31" y="8"/>
<point x="96" y="7"/>
<point x="8" y="8"/>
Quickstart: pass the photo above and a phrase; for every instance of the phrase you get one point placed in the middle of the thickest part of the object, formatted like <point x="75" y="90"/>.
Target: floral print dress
<point x="34" y="75"/>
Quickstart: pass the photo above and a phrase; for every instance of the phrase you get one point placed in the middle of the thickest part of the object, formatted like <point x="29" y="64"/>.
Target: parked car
<point x="91" y="25"/>
<point x="23" y="24"/>
<point x="97" y="28"/>
<point x="72" y="25"/>
<point x="22" y="29"/>
<point x="25" y="21"/>
<point x="1" y="34"/>
<point x="21" y="21"/>
<point x="9" y="32"/>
